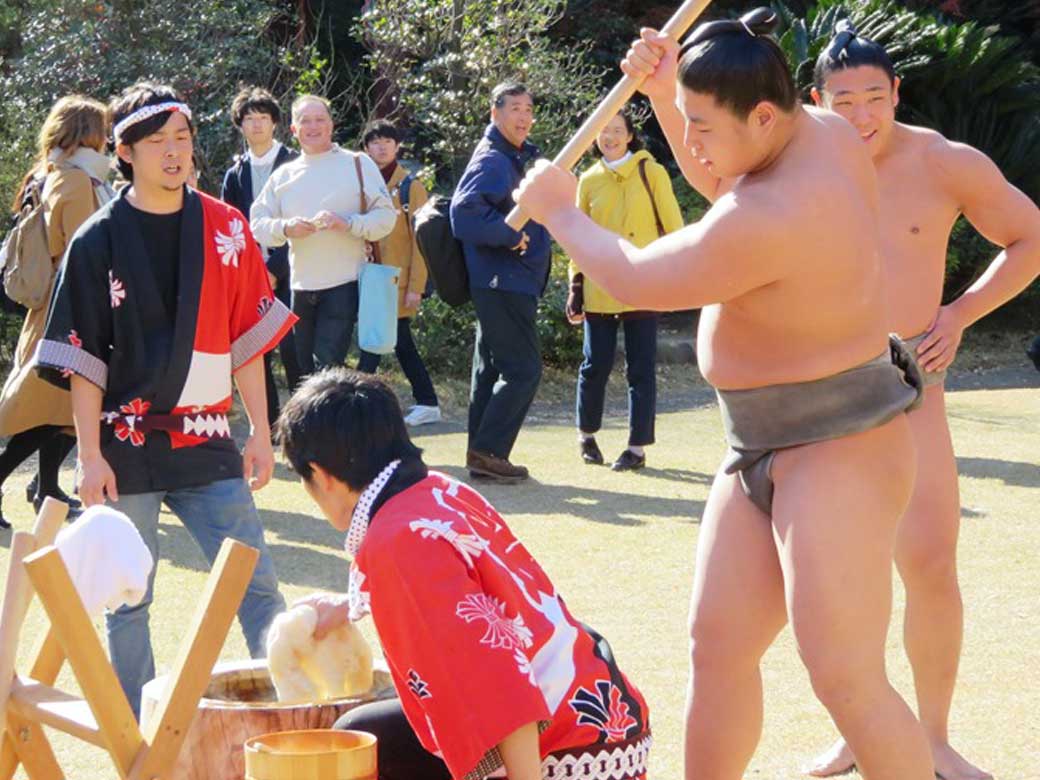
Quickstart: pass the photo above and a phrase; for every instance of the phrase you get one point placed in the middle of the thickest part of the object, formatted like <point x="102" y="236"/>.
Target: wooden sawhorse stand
<point x="103" y="716"/>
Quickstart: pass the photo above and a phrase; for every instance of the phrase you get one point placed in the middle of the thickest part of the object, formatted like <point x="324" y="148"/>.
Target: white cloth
<point x="313" y="183"/>
<point x="107" y="559"/>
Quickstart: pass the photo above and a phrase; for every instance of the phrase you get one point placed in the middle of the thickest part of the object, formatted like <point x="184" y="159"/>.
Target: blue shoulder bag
<point x="377" y="283"/>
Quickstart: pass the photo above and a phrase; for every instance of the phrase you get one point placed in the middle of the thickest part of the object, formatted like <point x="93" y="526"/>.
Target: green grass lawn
<point x="621" y="550"/>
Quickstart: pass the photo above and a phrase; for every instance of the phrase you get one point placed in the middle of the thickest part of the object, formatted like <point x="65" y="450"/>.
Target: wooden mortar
<point x="240" y="703"/>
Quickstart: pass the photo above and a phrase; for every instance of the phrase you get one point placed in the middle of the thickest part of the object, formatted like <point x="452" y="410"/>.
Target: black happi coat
<point x="109" y="323"/>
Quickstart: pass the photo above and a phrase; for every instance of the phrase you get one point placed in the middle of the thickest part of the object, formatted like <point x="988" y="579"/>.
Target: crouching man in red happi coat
<point x="495" y="676"/>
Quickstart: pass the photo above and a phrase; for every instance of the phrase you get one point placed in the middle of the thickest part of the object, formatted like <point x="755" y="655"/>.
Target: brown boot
<point x="491" y="467"/>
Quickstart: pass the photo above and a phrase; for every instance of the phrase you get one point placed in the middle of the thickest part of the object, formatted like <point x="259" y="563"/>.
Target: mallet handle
<point x="622" y="92"/>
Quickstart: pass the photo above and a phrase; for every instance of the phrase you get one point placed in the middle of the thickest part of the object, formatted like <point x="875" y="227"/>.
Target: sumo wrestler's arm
<point x="729" y="252"/>
<point x="1006" y="217"/>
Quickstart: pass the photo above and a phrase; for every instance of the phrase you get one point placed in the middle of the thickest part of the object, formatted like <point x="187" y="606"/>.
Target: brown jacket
<point x="399" y="248"/>
<point x="27" y="401"/>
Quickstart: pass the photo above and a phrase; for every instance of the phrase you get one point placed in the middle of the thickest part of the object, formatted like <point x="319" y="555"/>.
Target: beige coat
<point x="399" y="248"/>
<point x="28" y="401"/>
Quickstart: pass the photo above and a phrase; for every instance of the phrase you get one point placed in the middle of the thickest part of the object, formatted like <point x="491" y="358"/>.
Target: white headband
<point x="147" y="112"/>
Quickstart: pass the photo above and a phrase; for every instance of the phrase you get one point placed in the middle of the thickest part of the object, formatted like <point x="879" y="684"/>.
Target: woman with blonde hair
<point x="69" y="177"/>
<point x="629" y="193"/>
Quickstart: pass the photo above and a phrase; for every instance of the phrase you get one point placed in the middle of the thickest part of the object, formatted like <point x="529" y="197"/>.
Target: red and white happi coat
<point x="479" y="642"/>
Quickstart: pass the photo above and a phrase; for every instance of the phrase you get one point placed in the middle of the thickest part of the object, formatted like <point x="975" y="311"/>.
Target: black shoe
<point x="61" y="495"/>
<point x="629" y="461"/>
<point x="30" y="489"/>
<point x="1033" y="351"/>
<point x="3" y="523"/>
<point x="75" y="507"/>
<point x="590" y="452"/>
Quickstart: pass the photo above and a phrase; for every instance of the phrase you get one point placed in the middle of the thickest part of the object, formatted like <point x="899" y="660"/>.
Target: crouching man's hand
<point x="333" y="611"/>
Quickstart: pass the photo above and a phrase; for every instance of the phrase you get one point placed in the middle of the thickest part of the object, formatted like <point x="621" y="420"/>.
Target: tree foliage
<point x="434" y="63"/>
<point x="204" y="48"/>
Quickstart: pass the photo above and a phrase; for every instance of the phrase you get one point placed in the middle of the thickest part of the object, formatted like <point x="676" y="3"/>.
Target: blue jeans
<point x="211" y="513"/>
<point x="599" y="349"/>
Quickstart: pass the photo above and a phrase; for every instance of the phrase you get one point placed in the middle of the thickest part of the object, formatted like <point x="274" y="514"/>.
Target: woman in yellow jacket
<point x="71" y="171"/>
<point x="628" y="192"/>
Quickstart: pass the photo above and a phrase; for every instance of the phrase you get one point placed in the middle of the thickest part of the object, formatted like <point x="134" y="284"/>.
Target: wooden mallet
<point x="622" y="92"/>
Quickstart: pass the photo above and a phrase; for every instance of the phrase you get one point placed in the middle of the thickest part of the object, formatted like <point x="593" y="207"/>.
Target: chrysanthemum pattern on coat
<point x="125" y="426"/>
<point x="116" y="291"/>
<point x="418" y="686"/>
<point x="230" y="246"/>
<point x="604" y="710"/>
<point x="470" y="546"/>
<point x="502" y="631"/>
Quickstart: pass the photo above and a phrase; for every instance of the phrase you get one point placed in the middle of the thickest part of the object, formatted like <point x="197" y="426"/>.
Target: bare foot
<point x="837" y="761"/>
<point x="951" y="765"/>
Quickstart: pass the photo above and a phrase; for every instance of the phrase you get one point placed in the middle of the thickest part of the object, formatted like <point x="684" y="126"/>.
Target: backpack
<point x="28" y="265"/>
<point x="442" y="251"/>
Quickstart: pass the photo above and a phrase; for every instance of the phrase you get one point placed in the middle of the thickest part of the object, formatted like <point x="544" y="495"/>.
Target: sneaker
<point x="423" y="415"/>
<point x="491" y="467"/>
<point x="590" y="452"/>
<point x="629" y="461"/>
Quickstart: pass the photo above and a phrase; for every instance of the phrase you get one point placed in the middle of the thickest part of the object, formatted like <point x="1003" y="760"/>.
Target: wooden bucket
<point x="311" y="755"/>
<point x="240" y="703"/>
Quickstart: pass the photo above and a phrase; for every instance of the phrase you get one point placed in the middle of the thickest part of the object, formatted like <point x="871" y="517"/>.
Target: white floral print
<point x="470" y="546"/>
<point x="116" y="291"/>
<point x="502" y="632"/>
<point x="229" y="246"/>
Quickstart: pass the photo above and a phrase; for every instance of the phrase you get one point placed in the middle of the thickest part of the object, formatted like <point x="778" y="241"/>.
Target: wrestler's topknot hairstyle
<point x="849" y="49"/>
<point x="348" y="423"/>
<point x="738" y="63"/>
<point x="141" y="94"/>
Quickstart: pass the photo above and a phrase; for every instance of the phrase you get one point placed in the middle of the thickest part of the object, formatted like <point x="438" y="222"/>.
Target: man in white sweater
<point x="314" y="203"/>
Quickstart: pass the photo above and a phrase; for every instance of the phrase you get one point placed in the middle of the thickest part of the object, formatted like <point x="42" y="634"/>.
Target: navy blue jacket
<point x="478" y="219"/>
<point x="237" y="191"/>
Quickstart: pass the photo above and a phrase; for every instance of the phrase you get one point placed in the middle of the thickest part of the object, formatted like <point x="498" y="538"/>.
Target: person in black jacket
<point x="255" y="113"/>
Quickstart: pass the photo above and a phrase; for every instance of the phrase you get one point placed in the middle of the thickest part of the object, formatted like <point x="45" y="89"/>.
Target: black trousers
<point x="507" y="368"/>
<point x="599" y="350"/>
<point x="53" y="445"/>
<point x="287" y="352"/>
<point x="400" y="755"/>
<point x="411" y="361"/>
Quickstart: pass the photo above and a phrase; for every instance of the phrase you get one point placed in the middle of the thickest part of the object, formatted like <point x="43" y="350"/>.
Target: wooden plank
<point x="85" y="654"/>
<point x="48" y="522"/>
<point x="17" y="591"/>
<point x="571" y="154"/>
<point x="47" y="663"/>
<point x="67" y="713"/>
<point x="168" y="727"/>
<point x="30" y="745"/>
